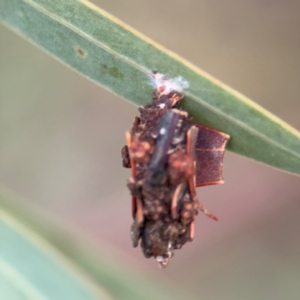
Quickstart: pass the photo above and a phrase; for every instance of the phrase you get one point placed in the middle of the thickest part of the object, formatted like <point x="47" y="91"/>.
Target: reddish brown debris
<point x="210" y="149"/>
<point x="125" y="157"/>
<point x="169" y="157"/>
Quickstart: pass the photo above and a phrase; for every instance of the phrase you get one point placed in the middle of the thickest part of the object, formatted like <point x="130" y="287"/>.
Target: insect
<point x="169" y="157"/>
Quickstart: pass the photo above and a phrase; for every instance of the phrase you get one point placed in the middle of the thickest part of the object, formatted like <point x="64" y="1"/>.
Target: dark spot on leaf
<point x="104" y="66"/>
<point x="81" y="52"/>
<point x="115" y="72"/>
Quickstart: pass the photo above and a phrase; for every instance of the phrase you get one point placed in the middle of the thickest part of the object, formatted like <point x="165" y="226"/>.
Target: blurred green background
<point x="61" y="137"/>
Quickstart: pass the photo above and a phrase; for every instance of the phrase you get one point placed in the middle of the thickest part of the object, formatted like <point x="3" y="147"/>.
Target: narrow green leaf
<point x="31" y="269"/>
<point x="112" y="54"/>
<point x="35" y="249"/>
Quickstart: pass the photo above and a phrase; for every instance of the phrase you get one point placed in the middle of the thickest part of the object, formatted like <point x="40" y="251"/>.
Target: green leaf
<point x="114" y="55"/>
<point x="35" y="256"/>
<point x="31" y="269"/>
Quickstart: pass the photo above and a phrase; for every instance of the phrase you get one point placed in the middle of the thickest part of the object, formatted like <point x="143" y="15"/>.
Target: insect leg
<point x="209" y="214"/>
<point x="178" y="194"/>
<point x="192" y="231"/>
<point x="190" y="149"/>
<point x="133" y="173"/>
<point x="137" y="225"/>
<point x="125" y="149"/>
<point x="136" y="203"/>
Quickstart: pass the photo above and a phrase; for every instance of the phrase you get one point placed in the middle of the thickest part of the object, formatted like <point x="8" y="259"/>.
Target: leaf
<point x="119" y="58"/>
<point x="31" y="269"/>
<point x="31" y="245"/>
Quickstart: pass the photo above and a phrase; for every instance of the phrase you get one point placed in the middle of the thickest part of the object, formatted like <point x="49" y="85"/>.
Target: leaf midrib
<point x="146" y="72"/>
<point x="85" y="35"/>
<point x="243" y="125"/>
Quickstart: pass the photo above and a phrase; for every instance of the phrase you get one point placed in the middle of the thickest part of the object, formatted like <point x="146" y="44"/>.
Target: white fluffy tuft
<point x="177" y="84"/>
